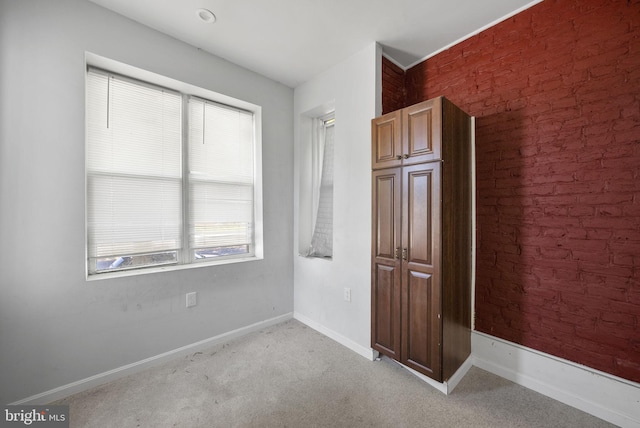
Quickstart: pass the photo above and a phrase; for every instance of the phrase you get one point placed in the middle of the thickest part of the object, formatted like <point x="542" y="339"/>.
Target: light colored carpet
<point x="290" y="375"/>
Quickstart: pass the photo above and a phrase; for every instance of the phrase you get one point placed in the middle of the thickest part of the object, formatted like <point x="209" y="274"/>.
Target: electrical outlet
<point x="347" y="294"/>
<point x="191" y="299"/>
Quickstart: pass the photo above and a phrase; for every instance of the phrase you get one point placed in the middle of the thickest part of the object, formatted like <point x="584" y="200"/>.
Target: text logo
<point x="35" y="416"/>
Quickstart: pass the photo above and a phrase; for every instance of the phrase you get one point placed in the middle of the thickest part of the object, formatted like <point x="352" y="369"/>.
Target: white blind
<point x="134" y="172"/>
<point x="221" y="175"/>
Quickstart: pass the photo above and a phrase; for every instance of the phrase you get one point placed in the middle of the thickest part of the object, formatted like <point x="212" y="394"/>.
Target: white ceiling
<point x="291" y="41"/>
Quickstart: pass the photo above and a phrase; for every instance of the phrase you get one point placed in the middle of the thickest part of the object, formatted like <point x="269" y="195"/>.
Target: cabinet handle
<point x="395" y="254"/>
<point x="404" y="254"/>
<point x="406" y="156"/>
<point x="398" y="157"/>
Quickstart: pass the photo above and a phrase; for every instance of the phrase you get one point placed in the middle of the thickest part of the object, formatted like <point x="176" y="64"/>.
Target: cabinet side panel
<point x="456" y="238"/>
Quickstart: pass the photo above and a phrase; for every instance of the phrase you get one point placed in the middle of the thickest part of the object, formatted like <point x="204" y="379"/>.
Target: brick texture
<point x="556" y="93"/>
<point x="393" y="87"/>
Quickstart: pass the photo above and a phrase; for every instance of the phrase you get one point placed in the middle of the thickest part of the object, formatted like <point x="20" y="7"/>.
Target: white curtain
<point x="322" y="182"/>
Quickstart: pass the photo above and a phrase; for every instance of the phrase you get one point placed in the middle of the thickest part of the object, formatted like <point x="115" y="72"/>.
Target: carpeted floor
<point x="290" y="375"/>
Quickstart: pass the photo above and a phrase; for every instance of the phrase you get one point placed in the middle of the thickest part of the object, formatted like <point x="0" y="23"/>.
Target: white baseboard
<point x="448" y="386"/>
<point x="605" y="396"/>
<point x="368" y="353"/>
<point x="101" y="378"/>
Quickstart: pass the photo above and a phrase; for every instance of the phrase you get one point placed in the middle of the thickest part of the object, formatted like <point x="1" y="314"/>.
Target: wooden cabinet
<point x="421" y="229"/>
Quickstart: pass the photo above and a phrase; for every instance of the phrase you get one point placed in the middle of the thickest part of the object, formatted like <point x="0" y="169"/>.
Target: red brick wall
<point x="556" y="93"/>
<point x="393" y="87"/>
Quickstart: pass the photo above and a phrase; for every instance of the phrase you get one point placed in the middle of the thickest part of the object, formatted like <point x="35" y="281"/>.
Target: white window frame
<point x="187" y="90"/>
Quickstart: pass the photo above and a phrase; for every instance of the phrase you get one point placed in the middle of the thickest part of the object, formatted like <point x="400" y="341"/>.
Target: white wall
<point x="55" y="327"/>
<point x="352" y="87"/>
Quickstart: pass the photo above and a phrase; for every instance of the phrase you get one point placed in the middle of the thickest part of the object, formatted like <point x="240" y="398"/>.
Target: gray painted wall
<point x="55" y="327"/>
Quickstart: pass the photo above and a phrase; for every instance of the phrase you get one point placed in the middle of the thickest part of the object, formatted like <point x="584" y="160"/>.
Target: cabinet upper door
<point x="386" y="136"/>
<point x="422" y="131"/>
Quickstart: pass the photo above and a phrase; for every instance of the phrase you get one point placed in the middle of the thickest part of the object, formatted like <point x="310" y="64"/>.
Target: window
<point x="322" y="187"/>
<point x="172" y="175"/>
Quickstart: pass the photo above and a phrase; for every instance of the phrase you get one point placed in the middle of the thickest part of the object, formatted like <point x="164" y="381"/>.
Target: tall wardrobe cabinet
<point x="421" y="237"/>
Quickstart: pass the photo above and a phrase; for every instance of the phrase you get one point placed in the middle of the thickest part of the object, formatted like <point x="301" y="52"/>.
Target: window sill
<point x="304" y="256"/>
<point x="168" y="268"/>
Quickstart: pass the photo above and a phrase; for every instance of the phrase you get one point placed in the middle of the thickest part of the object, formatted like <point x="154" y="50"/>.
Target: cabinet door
<point x="385" y="284"/>
<point x="421" y="135"/>
<point x="386" y="137"/>
<point x="421" y="288"/>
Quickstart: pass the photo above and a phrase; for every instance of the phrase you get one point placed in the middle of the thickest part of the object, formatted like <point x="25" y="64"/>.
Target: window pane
<point x="221" y="177"/>
<point x="108" y="264"/>
<point x="233" y="250"/>
<point x="220" y="142"/>
<point x="133" y="129"/>
<point x="131" y="215"/>
<point x="134" y="188"/>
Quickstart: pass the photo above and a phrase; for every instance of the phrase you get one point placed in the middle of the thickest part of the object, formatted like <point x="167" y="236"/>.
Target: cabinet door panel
<point x="421" y="288"/>
<point x="419" y="213"/>
<point x="386" y="135"/>
<point x="421" y="349"/>
<point x="386" y="268"/>
<point x="386" y="213"/>
<point x="421" y="137"/>
<point x="386" y="311"/>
